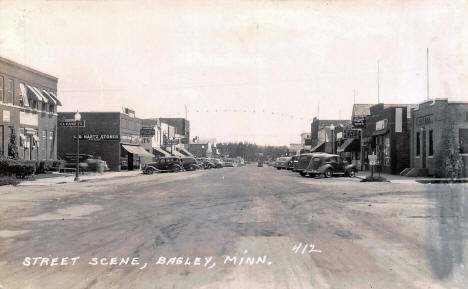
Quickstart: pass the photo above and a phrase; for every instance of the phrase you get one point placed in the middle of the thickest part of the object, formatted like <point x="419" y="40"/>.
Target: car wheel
<point x="328" y="173"/>
<point x="176" y="169"/>
<point x="303" y="174"/>
<point x="278" y="168"/>
<point x="352" y="173"/>
<point x="311" y="175"/>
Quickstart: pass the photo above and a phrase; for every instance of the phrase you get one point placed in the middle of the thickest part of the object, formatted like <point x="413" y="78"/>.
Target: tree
<point x="13" y="146"/>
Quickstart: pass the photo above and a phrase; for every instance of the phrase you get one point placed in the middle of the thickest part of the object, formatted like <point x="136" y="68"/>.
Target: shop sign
<point x="372" y="160"/>
<point x="424" y="120"/>
<point x="147" y="131"/>
<point x="6" y="116"/>
<point x="308" y="142"/>
<point x="339" y="135"/>
<point x="359" y="121"/>
<point x="381" y="124"/>
<point x="130" y="138"/>
<point x="71" y="123"/>
<point x="98" y="137"/>
<point x="352" y="133"/>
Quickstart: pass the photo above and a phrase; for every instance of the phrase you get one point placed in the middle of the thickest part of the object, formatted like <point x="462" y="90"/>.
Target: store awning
<point x="36" y="95"/>
<point x="137" y="150"/>
<point x="44" y="99"/>
<point x="49" y="97"/>
<point x="350" y="145"/>
<point x="185" y="152"/>
<point x="163" y="152"/>
<point x="177" y="154"/>
<point x="318" y="147"/>
<point x="24" y="94"/>
<point x="55" y="97"/>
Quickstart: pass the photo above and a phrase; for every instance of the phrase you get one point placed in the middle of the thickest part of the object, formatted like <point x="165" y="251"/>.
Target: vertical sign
<point x="398" y="119"/>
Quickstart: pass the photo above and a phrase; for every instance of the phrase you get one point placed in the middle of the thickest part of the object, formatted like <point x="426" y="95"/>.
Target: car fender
<point x="323" y="168"/>
<point x="350" y="167"/>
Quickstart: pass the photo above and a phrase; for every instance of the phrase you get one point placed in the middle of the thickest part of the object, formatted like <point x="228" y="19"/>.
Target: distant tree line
<point x="251" y="151"/>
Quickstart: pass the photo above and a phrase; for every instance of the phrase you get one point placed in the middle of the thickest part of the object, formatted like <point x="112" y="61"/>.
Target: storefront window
<point x="418" y="144"/>
<point x="387" y="152"/>
<point x="463" y="138"/>
<point x="431" y="143"/>
<point x="1" y="89"/>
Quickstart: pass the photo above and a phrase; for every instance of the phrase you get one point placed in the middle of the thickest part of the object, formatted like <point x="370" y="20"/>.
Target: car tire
<point x="303" y="174"/>
<point x="278" y="168"/>
<point x="352" y="173"/>
<point x="176" y="169"/>
<point x="328" y="173"/>
<point x="311" y="175"/>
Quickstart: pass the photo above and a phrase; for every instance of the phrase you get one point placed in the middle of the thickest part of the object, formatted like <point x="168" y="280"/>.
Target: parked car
<point x="205" y="163"/>
<point x="292" y="162"/>
<point x="167" y="164"/>
<point x="260" y="164"/>
<point x="303" y="163"/>
<point x="218" y="163"/>
<point x="282" y="163"/>
<point x="190" y="164"/>
<point x="329" y="165"/>
<point x="229" y="163"/>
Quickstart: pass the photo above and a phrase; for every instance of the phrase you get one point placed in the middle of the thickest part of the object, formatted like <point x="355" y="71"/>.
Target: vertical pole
<point x="378" y="81"/>
<point x="77" y="178"/>
<point x="427" y="71"/>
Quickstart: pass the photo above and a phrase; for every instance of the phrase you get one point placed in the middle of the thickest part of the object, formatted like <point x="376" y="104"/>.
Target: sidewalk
<point x="405" y="180"/>
<point x="392" y="178"/>
<point x="69" y="178"/>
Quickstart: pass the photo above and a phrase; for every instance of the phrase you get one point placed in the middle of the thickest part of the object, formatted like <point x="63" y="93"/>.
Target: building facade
<point x="387" y="135"/>
<point x="181" y="129"/>
<point x="325" y="133"/>
<point x="114" y="137"/>
<point x="438" y="127"/>
<point x="28" y="109"/>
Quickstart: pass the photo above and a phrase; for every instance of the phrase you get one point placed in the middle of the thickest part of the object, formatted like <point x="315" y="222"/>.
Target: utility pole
<point x="354" y="96"/>
<point x="427" y="71"/>
<point x="378" y="81"/>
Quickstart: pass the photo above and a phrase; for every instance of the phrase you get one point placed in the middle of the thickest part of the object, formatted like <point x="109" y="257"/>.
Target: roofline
<point x="11" y="62"/>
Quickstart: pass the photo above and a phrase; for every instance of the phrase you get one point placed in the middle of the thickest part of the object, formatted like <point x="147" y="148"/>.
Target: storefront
<point x="386" y="135"/>
<point x="114" y="137"/>
<point x="439" y="128"/>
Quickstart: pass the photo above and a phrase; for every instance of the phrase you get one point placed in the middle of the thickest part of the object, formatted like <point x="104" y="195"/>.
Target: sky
<point x="256" y="71"/>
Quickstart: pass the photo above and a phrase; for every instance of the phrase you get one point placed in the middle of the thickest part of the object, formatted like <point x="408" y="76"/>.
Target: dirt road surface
<point x="299" y="233"/>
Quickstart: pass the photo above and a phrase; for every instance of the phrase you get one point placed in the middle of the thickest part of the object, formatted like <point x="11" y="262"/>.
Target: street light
<point x="332" y="128"/>
<point x="77" y="119"/>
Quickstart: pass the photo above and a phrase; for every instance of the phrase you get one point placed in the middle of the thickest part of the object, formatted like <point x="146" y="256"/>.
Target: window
<point x="1" y="89"/>
<point x="9" y="94"/>
<point x="463" y="139"/>
<point x="1" y="140"/>
<point x="418" y="144"/>
<point x="431" y="142"/>
<point x="51" y="108"/>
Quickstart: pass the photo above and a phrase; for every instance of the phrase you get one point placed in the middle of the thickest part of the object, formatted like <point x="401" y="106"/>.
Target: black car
<point x="329" y="165"/>
<point x="303" y="162"/>
<point x="292" y="163"/>
<point x="206" y="163"/>
<point x="190" y="164"/>
<point x="167" y="164"/>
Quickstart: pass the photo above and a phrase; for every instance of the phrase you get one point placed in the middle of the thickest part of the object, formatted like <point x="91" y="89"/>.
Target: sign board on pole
<point x="372" y="160"/>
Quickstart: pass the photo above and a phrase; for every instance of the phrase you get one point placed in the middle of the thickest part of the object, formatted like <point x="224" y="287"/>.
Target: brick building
<point x="437" y="127"/>
<point x="182" y="129"/>
<point x="387" y="135"/>
<point x="114" y="137"/>
<point x="28" y="108"/>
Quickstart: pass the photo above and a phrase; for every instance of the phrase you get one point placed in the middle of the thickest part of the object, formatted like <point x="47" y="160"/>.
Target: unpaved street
<point x="370" y="235"/>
